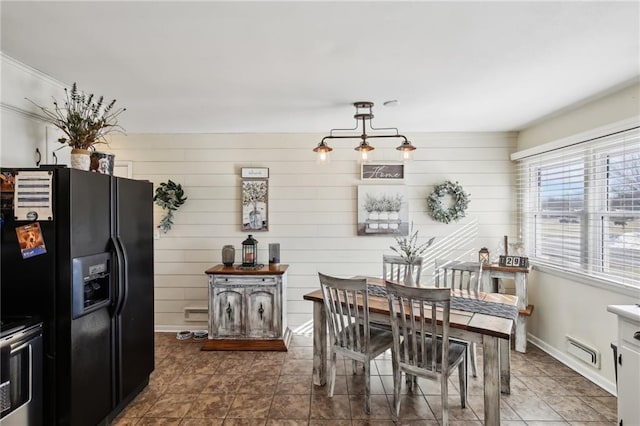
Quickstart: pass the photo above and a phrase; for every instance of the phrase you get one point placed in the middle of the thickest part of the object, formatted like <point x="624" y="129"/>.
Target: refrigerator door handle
<point x="121" y="257"/>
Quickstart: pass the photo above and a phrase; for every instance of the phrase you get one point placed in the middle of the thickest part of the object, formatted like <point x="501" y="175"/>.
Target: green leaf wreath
<point x="169" y="196"/>
<point x="454" y="213"/>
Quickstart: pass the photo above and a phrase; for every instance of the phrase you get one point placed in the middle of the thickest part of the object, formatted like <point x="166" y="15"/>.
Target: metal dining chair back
<point x="347" y="309"/>
<point x="421" y="344"/>
<point x="395" y="268"/>
<point x="460" y="275"/>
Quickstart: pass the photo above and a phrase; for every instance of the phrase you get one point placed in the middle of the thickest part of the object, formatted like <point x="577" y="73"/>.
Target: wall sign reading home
<point x="382" y="171"/>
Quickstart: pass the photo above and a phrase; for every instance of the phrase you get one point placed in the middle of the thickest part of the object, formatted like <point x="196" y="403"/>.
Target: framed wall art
<point x="382" y="171"/>
<point x="255" y="197"/>
<point x="383" y="209"/>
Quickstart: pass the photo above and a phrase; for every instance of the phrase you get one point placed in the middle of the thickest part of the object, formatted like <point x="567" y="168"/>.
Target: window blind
<point x="580" y="207"/>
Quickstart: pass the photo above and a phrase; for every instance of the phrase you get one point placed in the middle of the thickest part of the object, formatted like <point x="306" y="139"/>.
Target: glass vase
<point x="228" y="255"/>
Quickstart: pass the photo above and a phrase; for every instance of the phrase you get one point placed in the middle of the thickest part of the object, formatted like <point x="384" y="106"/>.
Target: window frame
<point x="594" y="263"/>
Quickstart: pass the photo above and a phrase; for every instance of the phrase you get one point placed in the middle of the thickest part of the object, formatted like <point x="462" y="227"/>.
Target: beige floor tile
<point x="290" y="407"/>
<point x="330" y="408"/>
<point x="208" y="406"/>
<point x="572" y="408"/>
<point x="249" y="406"/>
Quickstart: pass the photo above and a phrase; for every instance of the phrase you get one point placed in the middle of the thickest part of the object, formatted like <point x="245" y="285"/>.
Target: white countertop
<point x="631" y="312"/>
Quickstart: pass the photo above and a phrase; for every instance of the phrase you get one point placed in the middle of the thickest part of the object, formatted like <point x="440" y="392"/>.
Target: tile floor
<point x="190" y="387"/>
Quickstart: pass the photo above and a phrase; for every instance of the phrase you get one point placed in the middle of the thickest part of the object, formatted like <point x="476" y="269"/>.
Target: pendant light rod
<point x="362" y="117"/>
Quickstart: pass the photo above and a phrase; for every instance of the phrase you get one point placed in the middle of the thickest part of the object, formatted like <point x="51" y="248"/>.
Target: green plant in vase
<point x="409" y="248"/>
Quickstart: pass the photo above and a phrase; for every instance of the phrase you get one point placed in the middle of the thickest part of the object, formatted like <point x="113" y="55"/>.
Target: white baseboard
<point x="574" y="364"/>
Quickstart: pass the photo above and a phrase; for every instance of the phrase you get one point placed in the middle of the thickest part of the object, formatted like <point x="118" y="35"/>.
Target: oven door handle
<point x="18" y="347"/>
<point x="23" y="339"/>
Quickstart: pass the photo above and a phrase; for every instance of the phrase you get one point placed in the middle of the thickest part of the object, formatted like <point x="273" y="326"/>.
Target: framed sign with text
<point x="255" y="172"/>
<point x="382" y="171"/>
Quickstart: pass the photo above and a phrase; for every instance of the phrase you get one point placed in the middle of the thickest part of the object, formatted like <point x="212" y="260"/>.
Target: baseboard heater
<point x="196" y="313"/>
<point x="583" y="352"/>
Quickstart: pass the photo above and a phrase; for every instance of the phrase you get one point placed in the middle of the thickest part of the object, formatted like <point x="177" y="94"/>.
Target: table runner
<point x="465" y="304"/>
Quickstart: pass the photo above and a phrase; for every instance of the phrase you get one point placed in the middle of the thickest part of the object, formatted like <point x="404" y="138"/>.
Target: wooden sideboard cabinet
<point x="248" y="304"/>
<point x="628" y="363"/>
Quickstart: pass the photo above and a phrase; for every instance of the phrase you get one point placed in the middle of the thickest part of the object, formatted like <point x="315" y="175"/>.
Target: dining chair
<point x="347" y="308"/>
<point x="460" y="275"/>
<point x="421" y="344"/>
<point x="395" y="268"/>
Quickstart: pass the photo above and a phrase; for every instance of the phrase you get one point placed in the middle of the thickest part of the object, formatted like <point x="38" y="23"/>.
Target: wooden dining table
<point x="493" y="332"/>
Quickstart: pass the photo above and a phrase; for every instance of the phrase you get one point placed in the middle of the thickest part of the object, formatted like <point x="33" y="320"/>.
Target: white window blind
<point x="580" y="207"/>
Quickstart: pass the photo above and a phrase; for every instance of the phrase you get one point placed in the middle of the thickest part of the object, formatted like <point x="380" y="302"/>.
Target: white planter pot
<point x="384" y="216"/>
<point x="80" y="159"/>
<point x="373" y="215"/>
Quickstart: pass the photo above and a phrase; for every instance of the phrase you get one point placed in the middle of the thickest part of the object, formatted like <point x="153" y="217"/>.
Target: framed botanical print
<point x="255" y="196"/>
<point x="383" y="209"/>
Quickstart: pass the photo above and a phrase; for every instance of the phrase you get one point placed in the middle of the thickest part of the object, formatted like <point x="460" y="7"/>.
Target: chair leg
<point x="332" y="374"/>
<point x="474" y="360"/>
<point x="397" y="383"/>
<point x="367" y="386"/>
<point x="444" y="389"/>
<point x="462" y="376"/>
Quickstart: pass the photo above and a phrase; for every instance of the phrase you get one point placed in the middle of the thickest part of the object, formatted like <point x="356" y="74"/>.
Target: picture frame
<point x="383" y="210"/>
<point x="390" y="171"/>
<point x="255" y="202"/>
<point x="254" y="173"/>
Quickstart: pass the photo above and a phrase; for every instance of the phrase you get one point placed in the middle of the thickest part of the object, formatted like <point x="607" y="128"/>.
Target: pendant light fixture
<point x="363" y="116"/>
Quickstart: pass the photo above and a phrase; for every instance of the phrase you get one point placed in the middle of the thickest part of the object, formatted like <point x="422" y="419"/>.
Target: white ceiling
<point x="297" y="66"/>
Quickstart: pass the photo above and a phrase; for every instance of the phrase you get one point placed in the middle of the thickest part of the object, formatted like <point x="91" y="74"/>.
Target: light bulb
<point x="405" y="156"/>
<point x="323" y="157"/>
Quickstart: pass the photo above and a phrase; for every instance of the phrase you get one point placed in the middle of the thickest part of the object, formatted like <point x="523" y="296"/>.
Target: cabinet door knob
<point x="636" y="335"/>
<point x="229" y="311"/>
<point x="261" y="311"/>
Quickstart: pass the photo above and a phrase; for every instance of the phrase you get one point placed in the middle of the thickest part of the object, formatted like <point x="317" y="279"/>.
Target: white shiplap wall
<point x="312" y="208"/>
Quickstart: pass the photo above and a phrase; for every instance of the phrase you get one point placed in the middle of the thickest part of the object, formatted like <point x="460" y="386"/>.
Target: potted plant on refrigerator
<point x="85" y="120"/>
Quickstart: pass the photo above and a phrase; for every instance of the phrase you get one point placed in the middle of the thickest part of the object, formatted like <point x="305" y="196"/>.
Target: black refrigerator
<point x="77" y="251"/>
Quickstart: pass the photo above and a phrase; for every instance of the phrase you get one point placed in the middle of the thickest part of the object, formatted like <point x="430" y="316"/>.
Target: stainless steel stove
<point x="21" y="371"/>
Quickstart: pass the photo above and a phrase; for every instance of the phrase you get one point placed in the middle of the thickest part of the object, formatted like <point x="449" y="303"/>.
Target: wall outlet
<point x="156" y="234"/>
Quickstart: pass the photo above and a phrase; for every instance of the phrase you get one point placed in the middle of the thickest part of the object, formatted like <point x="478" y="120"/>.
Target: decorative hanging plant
<point x="169" y="196"/>
<point x="453" y="213"/>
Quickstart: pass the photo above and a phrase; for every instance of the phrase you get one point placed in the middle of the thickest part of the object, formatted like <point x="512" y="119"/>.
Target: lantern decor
<point x="249" y="252"/>
<point x="483" y="256"/>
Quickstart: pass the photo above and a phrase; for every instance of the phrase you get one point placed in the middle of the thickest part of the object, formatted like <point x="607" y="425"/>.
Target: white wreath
<point x="454" y="213"/>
